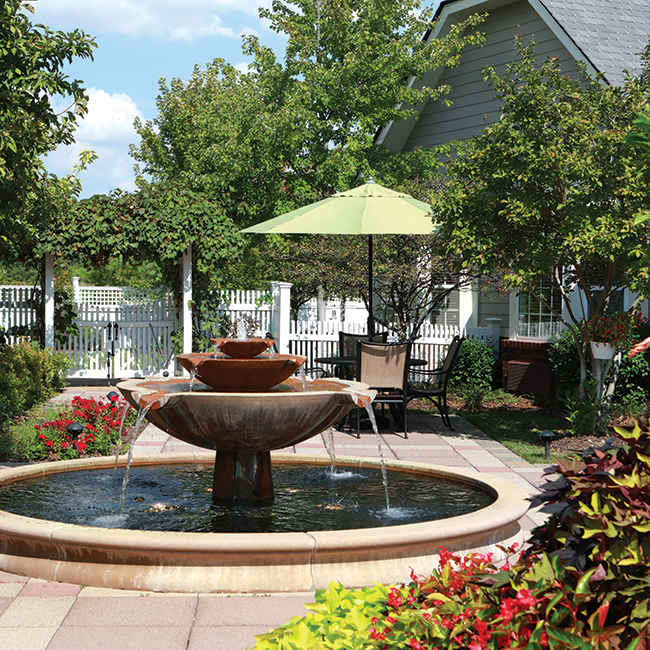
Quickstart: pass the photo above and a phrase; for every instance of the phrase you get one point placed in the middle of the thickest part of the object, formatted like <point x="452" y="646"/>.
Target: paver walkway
<point x="41" y="615"/>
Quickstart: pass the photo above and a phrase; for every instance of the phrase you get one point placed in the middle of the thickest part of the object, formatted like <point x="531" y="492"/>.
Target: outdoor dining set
<point x="385" y="367"/>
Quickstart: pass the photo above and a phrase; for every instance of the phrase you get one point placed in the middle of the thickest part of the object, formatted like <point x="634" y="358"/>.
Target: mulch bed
<point x="561" y="446"/>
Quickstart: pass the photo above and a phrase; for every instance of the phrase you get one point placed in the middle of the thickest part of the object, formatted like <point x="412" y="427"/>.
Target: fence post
<point x="48" y="298"/>
<point x="494" y="333"/>
<point x="76" y="293"/>
<point x="281" y="315"/>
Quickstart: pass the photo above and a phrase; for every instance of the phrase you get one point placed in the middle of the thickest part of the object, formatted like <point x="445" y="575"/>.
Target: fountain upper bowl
<point x="242" y="348"/>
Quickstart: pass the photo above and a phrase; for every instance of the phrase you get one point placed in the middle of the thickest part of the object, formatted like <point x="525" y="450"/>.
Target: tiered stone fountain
<point x="226" y="407"/>
<point x="253" y="407"/>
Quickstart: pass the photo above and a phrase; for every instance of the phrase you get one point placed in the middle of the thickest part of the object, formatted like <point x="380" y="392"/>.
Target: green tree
<point x="31" y="74"/>
<point x="550" y="191"/>
<point x="291" y="132"/>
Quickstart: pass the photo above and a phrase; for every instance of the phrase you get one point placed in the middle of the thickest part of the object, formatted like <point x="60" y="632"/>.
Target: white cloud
<point x="107" y="129"/>
<point x="185" y="20"/>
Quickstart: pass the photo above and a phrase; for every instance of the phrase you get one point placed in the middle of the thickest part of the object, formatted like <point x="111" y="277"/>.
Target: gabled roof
<point x="608" y="34"/>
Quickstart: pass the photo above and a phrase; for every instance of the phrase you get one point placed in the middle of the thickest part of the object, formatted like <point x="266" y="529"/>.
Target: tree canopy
<point x="291" y="131"/>
<point x="32" y="58"/>
<point x="158" y="222"/>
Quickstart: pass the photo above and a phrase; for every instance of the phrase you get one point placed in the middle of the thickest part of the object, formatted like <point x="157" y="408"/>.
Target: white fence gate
<point x="121" y="333"/>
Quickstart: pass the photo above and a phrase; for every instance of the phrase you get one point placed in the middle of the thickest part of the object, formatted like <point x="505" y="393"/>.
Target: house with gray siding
<point x="607" y="35"/>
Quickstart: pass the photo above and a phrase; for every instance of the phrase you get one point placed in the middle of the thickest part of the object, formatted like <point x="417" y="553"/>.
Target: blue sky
<point x="140" y="41"/>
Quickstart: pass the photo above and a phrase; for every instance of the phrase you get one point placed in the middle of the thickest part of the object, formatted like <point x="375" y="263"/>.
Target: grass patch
<point x="518" y="431"/>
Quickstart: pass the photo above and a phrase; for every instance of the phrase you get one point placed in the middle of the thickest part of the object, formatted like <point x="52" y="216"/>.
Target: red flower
<point x="526" y="599"/>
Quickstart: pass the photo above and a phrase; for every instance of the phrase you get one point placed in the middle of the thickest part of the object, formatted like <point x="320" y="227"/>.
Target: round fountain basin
<point x="251" y="562"/>
<point x="225" y="374"/>
<point x="178" y="498"/>
<point x="243" y="422"/>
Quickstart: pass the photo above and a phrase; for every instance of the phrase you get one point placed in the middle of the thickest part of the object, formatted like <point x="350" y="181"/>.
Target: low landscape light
<point x="546" y="436"/>
<point x="75" y="429"/>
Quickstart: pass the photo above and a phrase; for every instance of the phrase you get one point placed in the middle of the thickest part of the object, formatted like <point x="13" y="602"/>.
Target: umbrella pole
<point x="371" y="318"/>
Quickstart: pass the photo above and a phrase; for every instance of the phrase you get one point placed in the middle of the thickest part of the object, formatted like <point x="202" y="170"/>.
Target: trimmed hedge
<point x="474" y="364"/>
<point x="28" y="375"/>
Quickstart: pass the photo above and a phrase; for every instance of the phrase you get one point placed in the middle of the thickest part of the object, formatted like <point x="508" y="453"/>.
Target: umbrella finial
<point x="370" y="180"/>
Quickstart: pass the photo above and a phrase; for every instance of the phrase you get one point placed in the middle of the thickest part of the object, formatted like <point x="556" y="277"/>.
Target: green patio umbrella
<point x="369" y="209"/>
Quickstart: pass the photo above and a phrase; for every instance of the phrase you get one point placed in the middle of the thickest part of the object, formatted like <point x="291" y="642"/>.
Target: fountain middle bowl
<point x="240" y="375"/>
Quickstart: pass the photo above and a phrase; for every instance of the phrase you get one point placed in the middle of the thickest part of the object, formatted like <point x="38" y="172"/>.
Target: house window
<point x="447" y="311"/>
<point x="539" y="318"/>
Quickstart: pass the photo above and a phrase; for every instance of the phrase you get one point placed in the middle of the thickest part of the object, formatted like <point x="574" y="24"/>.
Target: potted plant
<point x="608" y="333"/>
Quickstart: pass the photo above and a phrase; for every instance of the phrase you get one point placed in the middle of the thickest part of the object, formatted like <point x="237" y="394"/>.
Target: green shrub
<point x="472" y="396"/>
<point x="633" y="378"/>
<point x="474" y="364"/>
<point x="565" y="362"/>
<point x="28" y="375"/>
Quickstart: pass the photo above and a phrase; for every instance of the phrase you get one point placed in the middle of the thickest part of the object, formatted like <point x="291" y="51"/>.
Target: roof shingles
<point x="610" y="33"/>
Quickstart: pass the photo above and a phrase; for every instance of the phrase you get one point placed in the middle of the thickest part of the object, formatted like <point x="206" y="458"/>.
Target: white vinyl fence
<point x="18" y="308"/>
<point x="322" y="340"/>
<point x="124" y="332"/>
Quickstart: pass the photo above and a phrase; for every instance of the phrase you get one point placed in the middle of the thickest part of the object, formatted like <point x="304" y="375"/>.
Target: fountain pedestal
<point x="242" y="478"/>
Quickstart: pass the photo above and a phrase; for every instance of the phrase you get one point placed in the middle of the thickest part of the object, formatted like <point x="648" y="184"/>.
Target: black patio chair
<point x="348" y="348"/>
<point x="437" y="391"/>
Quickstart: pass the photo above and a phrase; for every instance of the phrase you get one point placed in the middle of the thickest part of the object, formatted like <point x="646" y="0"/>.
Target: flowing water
<point x="384" y="474"/>
<point x="193" y="374"/>
<point x="328" y="441"/>
<point x="119" y="438"/>
<point x="142" y="412"/>
<point x="241" y="330"/>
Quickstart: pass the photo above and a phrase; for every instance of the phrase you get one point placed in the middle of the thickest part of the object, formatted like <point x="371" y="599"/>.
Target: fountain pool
<point x="246" y="427"/>
<point x="250" y="562"/>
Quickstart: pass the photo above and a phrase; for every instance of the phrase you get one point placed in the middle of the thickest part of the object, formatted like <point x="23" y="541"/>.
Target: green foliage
<point x="472" y="396"/>
<point x="599" y="512"/>
<point x="565" y="362"/>
<point x="551" y="190"/>
<point x="32" y="60"/>
<point x="157" y="222"/>
<point x="17" y="273"/>
<point x="339" y="619"/>
<point x="640" y="139"/>
<point x="631" y="393"/>
<point x="28" y="376"/>
<point x="118" y="272"/>
<point x="581" y="413"/>
<point x="474" y="364"/>
<point x="287" y="133"/>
